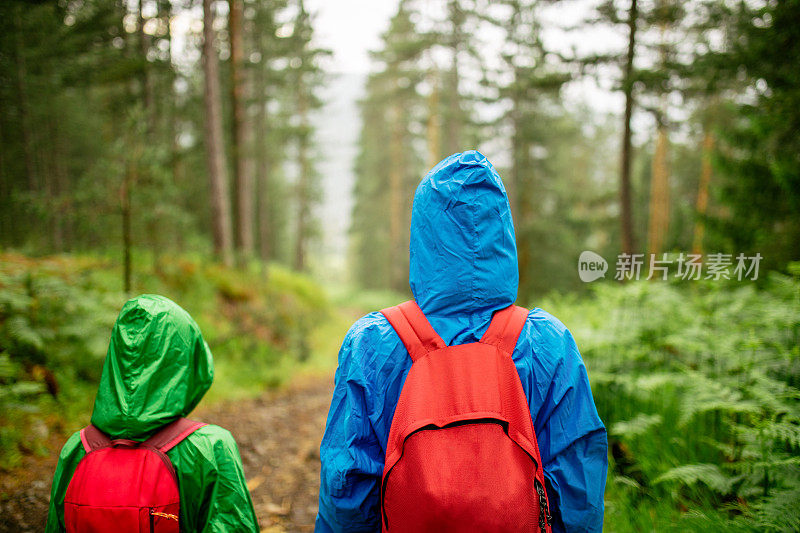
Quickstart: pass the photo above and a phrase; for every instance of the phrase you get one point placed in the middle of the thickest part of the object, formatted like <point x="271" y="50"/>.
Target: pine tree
<point x="215" y="154"/>
<point x="241" y="138"/>
<point x="454" y="37"/>
<point x="626" y="219"/>
<point x="759" y="153"/>
<point x="270" y="84"/>
<point x="531" y="93"/>
<point x="388" y="166"/>
<point x="665" y="16"/>
<point x="305" y="76"/>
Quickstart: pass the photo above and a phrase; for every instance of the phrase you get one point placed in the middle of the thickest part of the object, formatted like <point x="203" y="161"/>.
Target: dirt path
<point x="278" y="435"/>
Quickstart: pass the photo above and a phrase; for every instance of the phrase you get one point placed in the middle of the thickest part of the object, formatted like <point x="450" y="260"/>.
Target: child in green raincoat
<point x="157" y="369"/>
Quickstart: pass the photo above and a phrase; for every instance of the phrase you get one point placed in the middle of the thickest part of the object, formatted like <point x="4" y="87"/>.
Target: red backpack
<point x="124" y="486"/>
<point x="462" y="453"/>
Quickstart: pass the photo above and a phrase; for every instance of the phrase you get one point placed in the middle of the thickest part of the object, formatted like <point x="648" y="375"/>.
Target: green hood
<point x="158" y="367"/>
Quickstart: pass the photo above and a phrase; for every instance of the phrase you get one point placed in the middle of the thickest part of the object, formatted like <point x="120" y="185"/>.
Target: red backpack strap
<point x="413" y="329"/>
<point x="94" y="439"/>
<point x="505" y="328"/>
<point x="170" y="435"/>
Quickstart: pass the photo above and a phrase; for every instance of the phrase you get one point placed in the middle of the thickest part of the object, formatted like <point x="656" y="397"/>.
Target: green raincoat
<point x="158" y="368"/>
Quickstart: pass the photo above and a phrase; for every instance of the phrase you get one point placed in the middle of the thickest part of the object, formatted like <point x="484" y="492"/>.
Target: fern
<point x="702" y="386"/>
<point x="783" y="432"/>
<point x="639" y="425"/>
<point x="710" y="475"/>
<point x="779" y="512"/>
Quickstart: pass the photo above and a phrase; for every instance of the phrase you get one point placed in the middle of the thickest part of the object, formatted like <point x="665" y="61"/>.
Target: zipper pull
<point x="545" y="519"/>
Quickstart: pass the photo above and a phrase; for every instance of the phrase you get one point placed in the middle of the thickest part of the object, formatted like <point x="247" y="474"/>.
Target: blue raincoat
<point x="463" y="268"/>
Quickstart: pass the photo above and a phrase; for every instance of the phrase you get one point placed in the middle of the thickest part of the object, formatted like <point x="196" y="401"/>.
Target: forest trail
<point x="278" y="436"/>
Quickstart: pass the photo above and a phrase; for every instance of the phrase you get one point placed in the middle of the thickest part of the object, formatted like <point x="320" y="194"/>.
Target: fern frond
<point x="779" y="512"/>
<point x="638" y="425"/>
<point x="708" y="474"/>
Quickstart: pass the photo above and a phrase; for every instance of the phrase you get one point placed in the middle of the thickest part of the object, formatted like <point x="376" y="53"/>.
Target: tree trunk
<point x="702" y="192"/>
<point x="396" y="171"/>
<point x="626" y="216"/>
<point x="6" y="233"/>
<point x="453" y="132"/>
<point x="125" y="204"/>
<point x="303" y="191"/>
<point x="521" y="195"/>
<point x="54" y="186"/>
<point x="243" y="176"/>
<point x="175" y="159"/>
<point x="262" y="176"/>
<point x="215" y="155"/>
<point x="434" y="124"/>
<point x="5" y="181"/>
<point x="659" y="193"/>
<point x="22" y="95"/>
<point x="148" y="94"/>
<point x="659" y="177"/>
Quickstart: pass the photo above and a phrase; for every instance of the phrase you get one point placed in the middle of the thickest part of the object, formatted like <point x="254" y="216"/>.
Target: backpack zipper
<point x="544" y="512"/>
<point x="152" y="521"/>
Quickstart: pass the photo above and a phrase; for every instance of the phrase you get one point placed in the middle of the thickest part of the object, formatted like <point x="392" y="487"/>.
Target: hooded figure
<point x="463" y="268"/>
<point x="157" y="369"/>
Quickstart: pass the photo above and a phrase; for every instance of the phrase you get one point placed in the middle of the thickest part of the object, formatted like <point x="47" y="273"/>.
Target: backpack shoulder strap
<point x="173" y="433"/>
<point x="413" y="329"/>
<point x="94" y="439"/>
<point x="505" y="328"/>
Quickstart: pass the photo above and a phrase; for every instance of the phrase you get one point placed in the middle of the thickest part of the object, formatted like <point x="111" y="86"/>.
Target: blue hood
<point x="463" y="250"/>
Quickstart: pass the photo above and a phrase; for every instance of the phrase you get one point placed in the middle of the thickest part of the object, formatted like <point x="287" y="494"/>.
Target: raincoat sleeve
<point x="351" y="453"/>
<point x="68" y="460"/>
<point x="213" y="489"/>
<point x="571" y="437"/>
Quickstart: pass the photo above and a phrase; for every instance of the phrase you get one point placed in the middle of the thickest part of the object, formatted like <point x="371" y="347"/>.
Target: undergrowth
<point x="56" y="316"/>
<point x="698" y="386"/>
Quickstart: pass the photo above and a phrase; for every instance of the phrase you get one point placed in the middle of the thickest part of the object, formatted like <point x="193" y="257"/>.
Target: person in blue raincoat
<point x="463" y="268"/>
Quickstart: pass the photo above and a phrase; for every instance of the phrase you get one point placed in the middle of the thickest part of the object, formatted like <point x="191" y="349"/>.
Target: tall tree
<point x="306" y="76"/>
<point x="455" y="38"/>
<point x="215" y="153"/>
<point x="454" y="117"/>
<point x="434" y="125"/>
<point x="529" y="94"/>
<point x="22" y="95"/>
<point x="759" y="153"/>
<point x="658" y="224"/>
<point x="369" y="232"/>
<point x="701" y="204"/>
<point x="147" y="89"/>
<point x="389" y="166"/>
<point x="243" y="174"/>
<point x="626" y="217"/>
<point x="617" y="14"/>
<point x="269" y="84"/>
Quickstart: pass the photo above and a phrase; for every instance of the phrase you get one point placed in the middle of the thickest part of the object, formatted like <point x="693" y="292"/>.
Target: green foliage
<point x="639" y="425"/>
<point x="56" y="315"/>
<point x="698" y="385"/>
<point x="54" y="328"/>
<point x="100" y="94"/>
<point x="388" y="166"/>
<point x="759" y="155"/>
<point x="16" y="394"/>
<point x="710" y="475"/>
